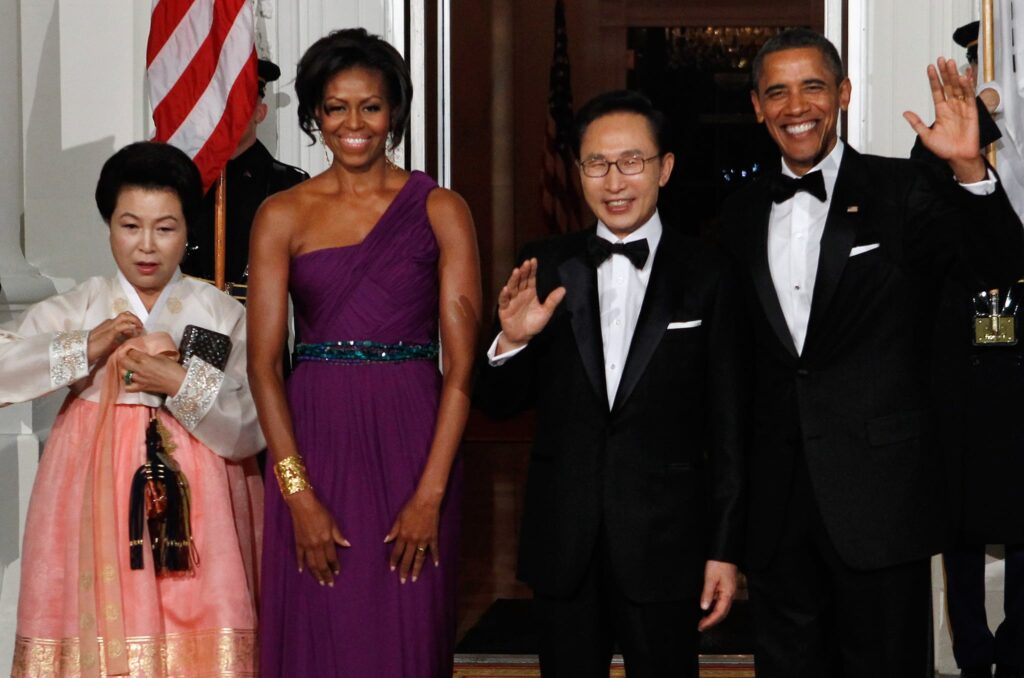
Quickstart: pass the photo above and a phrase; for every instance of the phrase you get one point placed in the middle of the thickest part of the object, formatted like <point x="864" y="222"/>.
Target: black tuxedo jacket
<point x="660" y="473"/>
<point x="858" y="400"/>
<point x="981" y="392"/>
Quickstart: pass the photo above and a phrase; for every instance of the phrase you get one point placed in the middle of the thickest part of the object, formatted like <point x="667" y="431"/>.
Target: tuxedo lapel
<point x="845" y="215"/>
<point x="761" y="210"/>
<point x="580" y="281"/>
<point x="655" y="314"/>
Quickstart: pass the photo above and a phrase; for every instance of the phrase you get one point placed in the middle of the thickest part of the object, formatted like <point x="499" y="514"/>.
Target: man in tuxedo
<point x="625" y="340"/>
<point x="843" y="259"/>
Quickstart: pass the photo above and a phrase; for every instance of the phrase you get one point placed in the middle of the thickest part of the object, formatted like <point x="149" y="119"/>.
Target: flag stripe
<point x="164" y="20"/>
<point x="224" y="137"/>
<point x="229" y="18"/>
<point x="202" y="77"/>
<point x="205" y="115"/>
<point x="170" y="63"/>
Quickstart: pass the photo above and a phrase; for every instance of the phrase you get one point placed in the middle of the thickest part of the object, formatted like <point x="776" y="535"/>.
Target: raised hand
<point x="414" y="535"/>
<point x="521" y="313"/>
<point x="954" y="135"/>
<point x="317" y="537"/>
<point x="111" y="333"/>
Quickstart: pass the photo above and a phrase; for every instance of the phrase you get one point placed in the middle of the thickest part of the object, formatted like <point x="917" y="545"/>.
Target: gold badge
<point x="994" y="327"/>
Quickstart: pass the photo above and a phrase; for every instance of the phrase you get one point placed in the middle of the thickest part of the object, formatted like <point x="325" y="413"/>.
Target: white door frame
<point x="397" y="26"/>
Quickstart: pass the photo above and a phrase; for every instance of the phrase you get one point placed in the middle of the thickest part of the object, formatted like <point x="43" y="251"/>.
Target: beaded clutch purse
<point x="213" y="347"/>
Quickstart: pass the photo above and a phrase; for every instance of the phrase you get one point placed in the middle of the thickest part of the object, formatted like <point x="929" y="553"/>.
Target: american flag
<point x="201" y="62"/>
<point x="560" y="192"/>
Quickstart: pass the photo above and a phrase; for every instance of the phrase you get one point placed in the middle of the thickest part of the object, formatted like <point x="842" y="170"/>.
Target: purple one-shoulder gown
<point x="365" y="432"/>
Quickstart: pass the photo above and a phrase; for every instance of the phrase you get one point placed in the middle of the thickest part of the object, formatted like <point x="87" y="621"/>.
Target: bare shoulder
<point x="448" y="213"/>
<point x="445" y="202"/>
<point x="278" y="214"/>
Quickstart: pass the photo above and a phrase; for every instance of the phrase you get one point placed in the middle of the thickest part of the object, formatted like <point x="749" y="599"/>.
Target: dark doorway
<point x="700" y="78"/>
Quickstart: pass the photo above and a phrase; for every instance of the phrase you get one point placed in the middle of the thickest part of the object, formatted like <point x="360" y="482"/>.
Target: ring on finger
<point x="421" y="549"/>
<point x="128" y="377"/>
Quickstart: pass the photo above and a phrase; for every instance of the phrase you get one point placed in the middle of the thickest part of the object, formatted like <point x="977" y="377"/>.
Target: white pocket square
<point x="684" y="325"/>
<point x="864" y="248"/>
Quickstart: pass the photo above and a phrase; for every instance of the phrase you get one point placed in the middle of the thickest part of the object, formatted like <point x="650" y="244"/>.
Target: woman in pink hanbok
<point x="96" y="600"/>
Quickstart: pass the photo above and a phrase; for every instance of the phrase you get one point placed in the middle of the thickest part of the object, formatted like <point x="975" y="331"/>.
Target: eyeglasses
<point x="631" y="165"/>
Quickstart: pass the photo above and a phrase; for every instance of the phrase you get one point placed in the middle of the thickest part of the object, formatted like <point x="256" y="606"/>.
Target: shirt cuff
<point x="69" y="357"/>
<point x="496" y="360"/>
<point x="197" y="393"/>
<point x="986" y="186"/>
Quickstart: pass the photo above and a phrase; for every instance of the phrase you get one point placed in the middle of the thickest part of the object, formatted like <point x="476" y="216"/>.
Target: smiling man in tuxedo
<point x="625" y="340"/>
<point x="843" y="257"/>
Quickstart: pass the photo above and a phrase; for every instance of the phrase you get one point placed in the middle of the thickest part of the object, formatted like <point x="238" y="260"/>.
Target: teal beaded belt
<point x="358" y="352"/>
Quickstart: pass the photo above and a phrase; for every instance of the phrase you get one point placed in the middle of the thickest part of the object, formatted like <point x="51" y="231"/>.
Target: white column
<point x="891" y="44"/>
<point x="82" y="70"/>
<point x="444" y="95"/>
<point x="20" y="284"/>
<point x="77" y="97"/>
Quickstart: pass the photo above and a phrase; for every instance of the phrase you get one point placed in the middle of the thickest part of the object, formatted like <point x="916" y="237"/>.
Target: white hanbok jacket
<point x="46" y="349"/>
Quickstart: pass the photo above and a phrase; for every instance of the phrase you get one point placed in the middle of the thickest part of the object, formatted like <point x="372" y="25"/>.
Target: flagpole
<point x="220" y="231"/>
<point x="988" y="58"/>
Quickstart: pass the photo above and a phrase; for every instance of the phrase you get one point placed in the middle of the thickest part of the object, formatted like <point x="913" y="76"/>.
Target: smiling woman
<point x="112" y="341"/>
<point x="379" y="262"/>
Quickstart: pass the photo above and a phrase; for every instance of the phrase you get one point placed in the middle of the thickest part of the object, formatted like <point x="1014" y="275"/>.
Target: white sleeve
<point x="46" y="348"/>
<point x="498" y="360"/>
<point x="986" y="186"/>
<point x="217" y="407"/>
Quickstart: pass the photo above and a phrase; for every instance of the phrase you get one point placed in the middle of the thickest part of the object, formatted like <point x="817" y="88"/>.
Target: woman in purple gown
<point x="361" y="541"/>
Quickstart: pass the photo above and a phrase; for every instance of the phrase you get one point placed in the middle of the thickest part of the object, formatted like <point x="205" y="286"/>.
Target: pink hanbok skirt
<point x="199" y="624"/>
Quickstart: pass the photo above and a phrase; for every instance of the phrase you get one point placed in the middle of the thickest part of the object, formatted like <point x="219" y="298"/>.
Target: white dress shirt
<point x="795" y="227"/>
<point x="620" y="293"/>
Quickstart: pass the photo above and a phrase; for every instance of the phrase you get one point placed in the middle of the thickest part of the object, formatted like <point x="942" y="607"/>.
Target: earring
<point x="327" y="156"/>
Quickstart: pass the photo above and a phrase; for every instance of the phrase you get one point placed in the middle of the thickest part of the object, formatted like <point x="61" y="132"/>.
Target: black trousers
<point x="973" y="642"/>
<point x="578" y="634"/>
<point x="816" y="617"/>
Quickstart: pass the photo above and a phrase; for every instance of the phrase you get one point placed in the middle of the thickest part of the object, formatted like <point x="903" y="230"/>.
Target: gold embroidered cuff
<point x="291" y="475"/>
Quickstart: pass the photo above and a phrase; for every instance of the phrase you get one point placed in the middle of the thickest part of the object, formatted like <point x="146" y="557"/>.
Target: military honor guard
<point x="981" y="392"/>
<point x="251" y="176"/>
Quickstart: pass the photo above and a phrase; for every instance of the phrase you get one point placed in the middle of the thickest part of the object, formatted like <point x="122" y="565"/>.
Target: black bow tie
<point x="599" y="249"/>
<point x="783" y="187"/>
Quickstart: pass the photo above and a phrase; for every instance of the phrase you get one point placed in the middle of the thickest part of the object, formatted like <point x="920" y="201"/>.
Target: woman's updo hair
<point x="154" y="166"/>
<point x="351" y="48"/>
